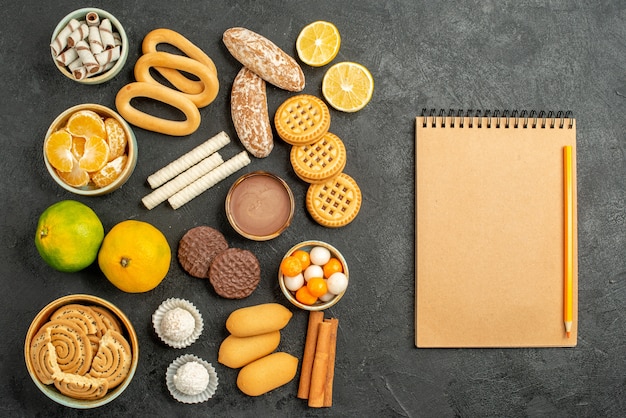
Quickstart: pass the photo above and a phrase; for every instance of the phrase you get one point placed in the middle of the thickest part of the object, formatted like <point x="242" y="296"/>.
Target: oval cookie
<point x="263" y="57"/>
<point x="197" y="249"/>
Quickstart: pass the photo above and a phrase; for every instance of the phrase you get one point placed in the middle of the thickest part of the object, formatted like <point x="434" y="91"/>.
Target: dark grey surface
<point x="552" y="55"/>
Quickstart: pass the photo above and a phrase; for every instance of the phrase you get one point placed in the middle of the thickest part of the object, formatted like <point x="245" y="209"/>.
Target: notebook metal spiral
<point x="506" y="119"/>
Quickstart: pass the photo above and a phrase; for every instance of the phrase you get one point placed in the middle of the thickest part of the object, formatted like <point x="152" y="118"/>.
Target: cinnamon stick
<point x="320" y="365"/>
<point x="330" y="374"/>
<point x="315" y="318"/>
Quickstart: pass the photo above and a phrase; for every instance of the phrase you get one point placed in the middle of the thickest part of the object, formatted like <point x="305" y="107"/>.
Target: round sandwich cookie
<point x="320" y="161"/>
<point x="235" y="273"/>
<point x="197" y="249"/>
<point x="334" y="203"/>
<point x="302" y="119"/>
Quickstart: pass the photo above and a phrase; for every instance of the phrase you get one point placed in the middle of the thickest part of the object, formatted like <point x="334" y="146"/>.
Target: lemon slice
<point x="348" y="86"/>
<point x="318" y="43"/>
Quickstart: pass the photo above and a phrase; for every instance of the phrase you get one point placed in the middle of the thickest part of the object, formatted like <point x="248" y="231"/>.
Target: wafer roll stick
<point x="189" y="159"/>
<point x="60" y="42"/>
<point x="95" y="43"/>
<point x="92" y="18"/>
<point x="106" y="34"/>
<point x="79" y="34"/>
<point x="164" y="192"/>
<point x="68" y="56"/>
<point x="86" y="56"/>
<point x="320" y="365"/>
<point x="332" y="354"/>
<point x="209" y="180"/>
<point x="315" y="318"/>
<point x="108" y="55"/>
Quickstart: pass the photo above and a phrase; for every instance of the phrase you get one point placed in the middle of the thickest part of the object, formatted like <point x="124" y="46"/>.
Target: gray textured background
<point x="552" y="55"/>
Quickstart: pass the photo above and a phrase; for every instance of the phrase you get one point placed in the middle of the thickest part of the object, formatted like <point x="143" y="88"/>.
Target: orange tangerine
<point x="77" y="177"/>
<point x="304" y="258"/>
<point x="305" y="297"/>
<point x="116" y="138"/>
<point x="291" y="266"/>
<point x="107" y="174"/>
<point x="86" y="123"/>
<point x="58" y="149"/>
<point x="317" y="286"/>
<point x="96" y="154"/>
<point x="333" y="266"/>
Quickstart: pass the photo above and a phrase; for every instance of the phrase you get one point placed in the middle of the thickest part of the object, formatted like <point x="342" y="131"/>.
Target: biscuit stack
<point x="318" y="157"/>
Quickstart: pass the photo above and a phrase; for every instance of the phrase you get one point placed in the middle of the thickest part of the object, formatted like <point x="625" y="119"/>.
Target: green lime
<point x="69" y="235"/>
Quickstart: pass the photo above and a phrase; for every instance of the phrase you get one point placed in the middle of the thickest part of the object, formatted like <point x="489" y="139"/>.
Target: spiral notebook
<point x="489" y="233"/>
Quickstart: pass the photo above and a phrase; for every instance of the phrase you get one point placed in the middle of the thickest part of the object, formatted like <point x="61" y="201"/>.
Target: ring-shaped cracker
<point x="174" y="76"/>
<point x="163" y="94"/>
<point x="179" y="62"/>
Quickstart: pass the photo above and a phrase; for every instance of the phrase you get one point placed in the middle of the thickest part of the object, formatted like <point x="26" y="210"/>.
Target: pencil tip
<point x="568" y="334"/>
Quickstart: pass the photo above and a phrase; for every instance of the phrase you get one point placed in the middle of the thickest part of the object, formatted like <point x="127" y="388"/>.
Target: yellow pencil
<point x="568" y="228"/>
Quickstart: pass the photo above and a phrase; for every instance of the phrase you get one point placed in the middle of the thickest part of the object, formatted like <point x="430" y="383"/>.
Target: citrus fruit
<point x="348" y="86"/>
<point x="107" y="174"/>
<point x="58" y="149"/>
<point x="116" y="138"/>
<point x="135" y="256"/>
<point x="77" y="177"/>
<point x="69" y="234"/>
<point x="318" y="43"/>
<point x="95" y="155"/>
<point x="86" y="123"/>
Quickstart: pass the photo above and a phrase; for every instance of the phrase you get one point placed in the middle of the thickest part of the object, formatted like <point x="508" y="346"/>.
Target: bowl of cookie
<point x="313" y="275"/>
<point x="89" y="46"/>
<point x="90" y="150"/>
<point x="81" y="351"/>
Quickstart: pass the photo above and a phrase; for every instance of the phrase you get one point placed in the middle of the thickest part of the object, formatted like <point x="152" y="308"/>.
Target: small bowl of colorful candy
<point x="313" y="275"/>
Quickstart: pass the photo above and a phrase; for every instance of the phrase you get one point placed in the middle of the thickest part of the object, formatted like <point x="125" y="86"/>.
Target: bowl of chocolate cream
<point x="260" y="205"/>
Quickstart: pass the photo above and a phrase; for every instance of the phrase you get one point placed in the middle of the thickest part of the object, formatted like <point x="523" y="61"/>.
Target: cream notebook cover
<point x="490" y="230"/>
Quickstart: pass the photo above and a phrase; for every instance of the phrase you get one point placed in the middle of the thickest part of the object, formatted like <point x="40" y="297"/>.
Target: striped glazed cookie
<point x="302" y="119"/>
<point x="334" y="203"/>
<point x="320" y="161"/>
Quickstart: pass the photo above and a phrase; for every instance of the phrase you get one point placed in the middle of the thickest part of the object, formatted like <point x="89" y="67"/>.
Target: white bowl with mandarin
<point x="90" y="150"/>
<point x="89" y="46"/>
<point x="317" y="280"/>
<point x="114" y="331"/>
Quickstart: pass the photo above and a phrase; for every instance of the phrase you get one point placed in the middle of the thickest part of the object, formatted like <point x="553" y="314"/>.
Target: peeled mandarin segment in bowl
<point x="107" y="174"/>
<point x="318" y="43"/>
<point x="78" y="146"/>
<point x="86" y="123"/>
<point x="348" y="86"/>
<point x="77" y="177"/>
<point x="96" y="154"/>
<point x="58" y="149"/>
<point x="116" y="138"/>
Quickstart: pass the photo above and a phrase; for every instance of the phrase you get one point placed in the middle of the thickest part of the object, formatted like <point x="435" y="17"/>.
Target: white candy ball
<point x="313" y="271"/>
<point x="327" y="297"/>
<point x="337" y="283"/>
<point x="294" y="283"/>
<point x="319" y="255"/>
